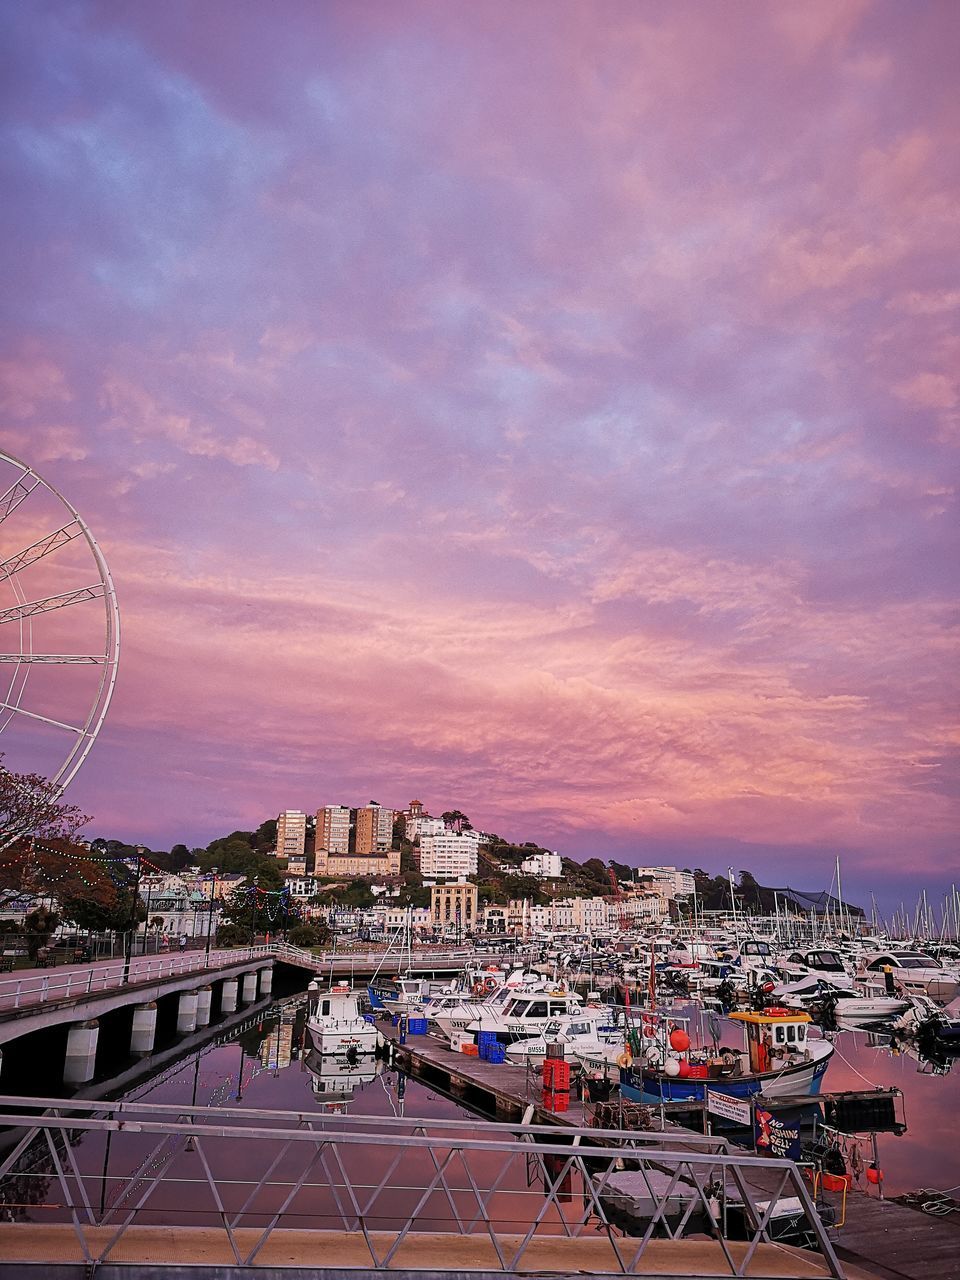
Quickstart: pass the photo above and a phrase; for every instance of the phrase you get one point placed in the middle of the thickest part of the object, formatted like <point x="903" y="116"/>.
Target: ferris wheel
<point x="59" y="629"/>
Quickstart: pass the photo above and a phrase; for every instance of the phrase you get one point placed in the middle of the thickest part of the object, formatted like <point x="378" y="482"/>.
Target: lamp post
<point x="253" y="910"/>
<point x="128" y="948"/>
<point x="213" y="897"/>
<point x="146" y="920"/>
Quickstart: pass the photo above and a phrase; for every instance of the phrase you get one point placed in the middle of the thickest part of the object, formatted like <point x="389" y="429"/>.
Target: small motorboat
<point x="336" y="1025"/>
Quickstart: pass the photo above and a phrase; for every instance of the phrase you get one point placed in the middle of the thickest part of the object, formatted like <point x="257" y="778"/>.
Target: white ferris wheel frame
<point x="24" y="611"/>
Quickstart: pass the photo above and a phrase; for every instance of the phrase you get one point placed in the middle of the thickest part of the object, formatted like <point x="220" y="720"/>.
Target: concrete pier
<point x="228" y="996"/>
<point x="204" y="1001"/>
<point x="187" y="1013"/>
<point x="81" y="1057"/>
<point x="144" y="1030"/>
<point x="249" y="992"/>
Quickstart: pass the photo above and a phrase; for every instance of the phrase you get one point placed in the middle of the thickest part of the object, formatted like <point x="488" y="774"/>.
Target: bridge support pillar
<point x="266" y="981"/>
<point x="81" y="1059"/>
<point x="144" y="1028"/>
<point x="204" y="1000"/>
<point x="249" y="992"/>
<point x="187" y="1013"/>
<point x="228" y="996"/>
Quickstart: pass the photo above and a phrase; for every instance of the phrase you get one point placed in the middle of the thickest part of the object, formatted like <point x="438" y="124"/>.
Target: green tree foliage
<point x="356" y="894"/>
<point x="314" y="934"/>
<point x="265" y="836"/>
<point x="454" y="818"/>
<point x="236" y="853"/>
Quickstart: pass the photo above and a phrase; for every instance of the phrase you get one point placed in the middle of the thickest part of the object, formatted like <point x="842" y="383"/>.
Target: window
<point x="537" y="1009"/>
<point x="791" y="1034"/>
<point x="557" y="1007"/>
<point x="324" y="1008"/>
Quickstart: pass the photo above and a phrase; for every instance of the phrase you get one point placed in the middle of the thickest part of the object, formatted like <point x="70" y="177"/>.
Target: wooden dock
<point x="878" y="1237"/>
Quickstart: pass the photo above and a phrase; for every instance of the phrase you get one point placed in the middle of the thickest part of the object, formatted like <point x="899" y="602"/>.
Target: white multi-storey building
<point x="668" y="881"/>
<point x="448" y="855"/>
<point x="423" y="825"/>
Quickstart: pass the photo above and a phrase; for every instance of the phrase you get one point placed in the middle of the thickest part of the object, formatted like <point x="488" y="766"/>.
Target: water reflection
<point x="335" y="1080"/>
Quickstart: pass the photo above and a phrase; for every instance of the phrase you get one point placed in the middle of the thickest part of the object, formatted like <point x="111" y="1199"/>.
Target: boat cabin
<point x="772" y="1036"/>
<point x="819" y="961"/>
<point x="338" y="1004"/>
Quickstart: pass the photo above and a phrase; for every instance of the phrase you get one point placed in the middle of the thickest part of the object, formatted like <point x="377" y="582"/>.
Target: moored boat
<point x="781" y="1061"/>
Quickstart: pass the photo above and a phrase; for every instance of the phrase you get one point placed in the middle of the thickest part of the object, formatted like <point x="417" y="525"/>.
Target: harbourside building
<point x="454" y="906"/>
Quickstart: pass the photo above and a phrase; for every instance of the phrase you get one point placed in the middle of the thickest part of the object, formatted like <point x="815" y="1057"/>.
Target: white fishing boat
<point x="336" y="1025"/>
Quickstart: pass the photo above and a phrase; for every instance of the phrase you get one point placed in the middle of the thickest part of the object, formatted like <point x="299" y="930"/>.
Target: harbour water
<point x="269" y="1066"/>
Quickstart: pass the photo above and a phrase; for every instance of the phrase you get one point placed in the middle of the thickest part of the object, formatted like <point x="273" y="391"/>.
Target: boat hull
<point x="332" y="1041"/>
<point x="648" y="1086"/>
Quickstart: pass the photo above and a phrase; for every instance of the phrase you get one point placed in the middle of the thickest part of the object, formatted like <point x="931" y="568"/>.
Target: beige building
<point x="291" y="834"/>
<point x="453" y="905"/>
<point x="357" y="864"/>
<point x="374" y="829"/>
<point x="333" y="828"/>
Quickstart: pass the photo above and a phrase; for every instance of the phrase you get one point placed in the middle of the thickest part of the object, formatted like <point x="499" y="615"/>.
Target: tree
<point x="459" y="821"/>
<point x="39" y="925"/>
<point x="265" y="836"/>
<point x="179" y="857"/>
<point x="33" y="805"/>
<point x="314" y="934"/>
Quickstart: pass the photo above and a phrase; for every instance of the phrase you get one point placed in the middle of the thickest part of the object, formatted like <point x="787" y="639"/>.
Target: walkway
<point x="69" y="981"/>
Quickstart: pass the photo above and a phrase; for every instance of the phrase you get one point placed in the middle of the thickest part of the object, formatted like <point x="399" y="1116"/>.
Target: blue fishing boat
<point x="781" y="1062"/>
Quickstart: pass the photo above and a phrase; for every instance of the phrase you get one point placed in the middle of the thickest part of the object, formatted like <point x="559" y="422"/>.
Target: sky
<point x="547" y="410"/>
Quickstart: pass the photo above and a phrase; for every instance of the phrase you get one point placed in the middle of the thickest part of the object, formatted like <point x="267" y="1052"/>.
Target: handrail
<point x="241" y="1179"/>
<point x="85" y="980"/>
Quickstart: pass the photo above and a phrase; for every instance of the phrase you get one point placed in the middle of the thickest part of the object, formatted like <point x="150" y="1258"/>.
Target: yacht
<point x="915" y="972"/>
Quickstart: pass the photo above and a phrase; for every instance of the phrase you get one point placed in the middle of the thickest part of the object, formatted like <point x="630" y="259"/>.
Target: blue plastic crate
<point x="497" y="1053"/>
<point x="487" y="1037"/>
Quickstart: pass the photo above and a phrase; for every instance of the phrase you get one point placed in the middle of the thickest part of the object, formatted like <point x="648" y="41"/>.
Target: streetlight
<point x="253" y="910"/>
<point x="128" y="948"/>
<point x="213" y="895"/>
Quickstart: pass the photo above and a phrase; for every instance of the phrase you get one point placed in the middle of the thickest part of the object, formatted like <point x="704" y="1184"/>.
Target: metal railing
<point x="91" y="979"/>
<point x="376" y="1194"/>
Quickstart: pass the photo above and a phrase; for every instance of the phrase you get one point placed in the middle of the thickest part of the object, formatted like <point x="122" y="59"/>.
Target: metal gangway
<point x="128" y="1189"/>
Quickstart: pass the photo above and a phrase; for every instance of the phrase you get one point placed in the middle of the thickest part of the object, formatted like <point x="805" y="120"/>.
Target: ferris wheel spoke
<point x="56" y="659"/>
<point x="35" y="715"/>
<point x="64" y="600"/>
<point x="37" y="550"/>
<point x="20" y="489"/>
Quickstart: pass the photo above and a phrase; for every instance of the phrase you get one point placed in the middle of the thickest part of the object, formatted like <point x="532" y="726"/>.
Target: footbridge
<point x="76" y="999"/>
<point x="194" y="987"/>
